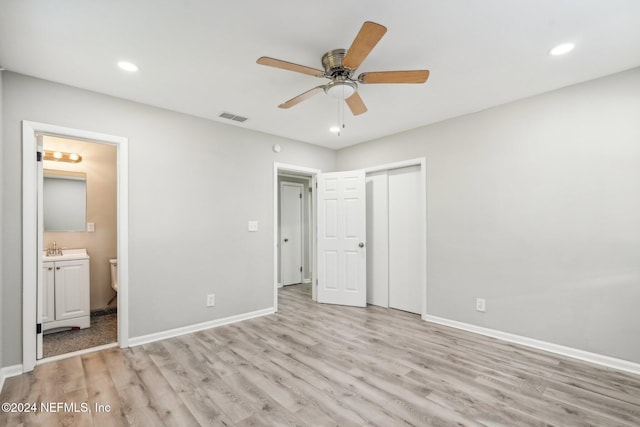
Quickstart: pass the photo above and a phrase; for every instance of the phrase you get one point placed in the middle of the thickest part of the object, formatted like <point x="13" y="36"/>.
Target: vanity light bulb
<point x="57" y="155"/>
<point x="74" y="157"/>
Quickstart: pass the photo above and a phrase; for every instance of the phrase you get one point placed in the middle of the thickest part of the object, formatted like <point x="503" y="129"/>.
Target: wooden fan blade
<point x="302" y="97"/>
<point x="413" y="76"/>
<point x="356" y="104"/>
<point x="369" y="35"/>
<point x="277" y="63"/>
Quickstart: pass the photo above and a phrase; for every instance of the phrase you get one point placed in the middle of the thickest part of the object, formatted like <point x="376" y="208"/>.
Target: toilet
<point x="114" y="278"/>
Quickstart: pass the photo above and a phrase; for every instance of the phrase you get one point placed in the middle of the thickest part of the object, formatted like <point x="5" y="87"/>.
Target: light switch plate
<point x="91" y="227"/>
<point x="253" y="225"/>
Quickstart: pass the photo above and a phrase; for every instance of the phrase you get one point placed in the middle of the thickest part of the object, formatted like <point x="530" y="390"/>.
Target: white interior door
<point x="40" y="278"/>
<point x="290" y="233"/>
<point x="377" y="239"/>
<point x="405" y="247"/>
<point x="342" y="255"/>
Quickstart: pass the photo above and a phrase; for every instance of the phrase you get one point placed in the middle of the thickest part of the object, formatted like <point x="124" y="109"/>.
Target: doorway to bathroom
<point x="79" y="237"/>
<point x="74" y="242"/>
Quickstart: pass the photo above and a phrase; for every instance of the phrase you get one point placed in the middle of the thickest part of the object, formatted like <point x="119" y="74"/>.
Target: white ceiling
<point x="199" y="56"/>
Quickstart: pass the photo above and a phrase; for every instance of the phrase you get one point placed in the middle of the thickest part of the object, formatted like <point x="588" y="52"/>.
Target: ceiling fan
<point x="339" y="67"/>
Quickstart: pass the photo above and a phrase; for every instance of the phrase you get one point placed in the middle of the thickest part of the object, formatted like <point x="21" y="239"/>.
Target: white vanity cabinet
<point x="65" y="293"/>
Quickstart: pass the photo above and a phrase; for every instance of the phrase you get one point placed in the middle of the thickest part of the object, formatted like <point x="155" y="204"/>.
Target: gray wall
<point x="535" y="206"/>
<point x="193" y="185"/>
<point x="2" y="322"/>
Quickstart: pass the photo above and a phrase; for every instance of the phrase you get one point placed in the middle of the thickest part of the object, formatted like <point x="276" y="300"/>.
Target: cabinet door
<point x="48" y="292"/>
<point x="72" y="289"/>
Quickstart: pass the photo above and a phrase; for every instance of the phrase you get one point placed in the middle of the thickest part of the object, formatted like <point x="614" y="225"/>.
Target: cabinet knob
<point x="57" y="268"/>
<point x="50" y="268"/>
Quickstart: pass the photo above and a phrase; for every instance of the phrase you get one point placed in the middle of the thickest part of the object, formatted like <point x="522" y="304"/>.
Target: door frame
<point x="422" y="162"/>
<point x="284" y="168"/>
<point x="301" y="224"/>
<point x="31" y="241"/>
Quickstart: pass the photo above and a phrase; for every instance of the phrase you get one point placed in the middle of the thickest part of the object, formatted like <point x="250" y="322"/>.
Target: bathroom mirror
<point x="64" y="200"/>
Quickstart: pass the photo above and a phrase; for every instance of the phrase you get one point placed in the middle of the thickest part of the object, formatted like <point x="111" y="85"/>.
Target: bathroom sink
<point x="67" y="254"/>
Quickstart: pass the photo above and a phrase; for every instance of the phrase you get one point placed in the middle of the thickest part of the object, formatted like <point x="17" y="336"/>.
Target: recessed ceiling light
<point x="561" y="49"/>
<point x="128" y="66"/>
<point x="334" y="129"/>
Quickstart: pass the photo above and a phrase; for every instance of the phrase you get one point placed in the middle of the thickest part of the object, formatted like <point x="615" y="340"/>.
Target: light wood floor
<point x="320" y="365"/>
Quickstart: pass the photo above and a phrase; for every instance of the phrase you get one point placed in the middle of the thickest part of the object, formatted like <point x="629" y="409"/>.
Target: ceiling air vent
<point x="233" y="117"/>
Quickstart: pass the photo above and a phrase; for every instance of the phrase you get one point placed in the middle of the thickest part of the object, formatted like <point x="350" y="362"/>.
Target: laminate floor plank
<point x="100" y="390"/>
<point x="325" y="365"/>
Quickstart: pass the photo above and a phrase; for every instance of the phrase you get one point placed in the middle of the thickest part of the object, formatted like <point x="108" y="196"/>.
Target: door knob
<point x="286" y="240"/>
<point x="361" y="244"/>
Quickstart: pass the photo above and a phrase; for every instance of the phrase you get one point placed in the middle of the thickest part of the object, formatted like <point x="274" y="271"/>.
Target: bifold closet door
<point x="377" y="239"/>
<point x="405" y="229"/>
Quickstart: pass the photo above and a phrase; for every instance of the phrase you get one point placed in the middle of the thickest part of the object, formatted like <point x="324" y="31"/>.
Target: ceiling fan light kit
<point x="341" y="89"/>
<point x="339" y="67"/>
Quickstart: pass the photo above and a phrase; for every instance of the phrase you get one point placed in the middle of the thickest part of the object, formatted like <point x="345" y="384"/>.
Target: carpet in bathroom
<point x="103" y="330"/>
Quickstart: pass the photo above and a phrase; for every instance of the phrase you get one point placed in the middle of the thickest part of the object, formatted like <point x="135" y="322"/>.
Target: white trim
<point x="420" y="161"/>
<point x="585" y="356"/>
<point x="76" y="353"/>
<point x="145" y="339"/>
<point x="8" y="372"/>
<point x="279" y="168"/>
<point x="30" y="253"/>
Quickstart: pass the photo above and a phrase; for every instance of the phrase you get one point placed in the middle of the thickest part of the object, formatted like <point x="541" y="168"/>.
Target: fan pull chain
<point x="340" y="116"/>
<point x="341" y="111"/>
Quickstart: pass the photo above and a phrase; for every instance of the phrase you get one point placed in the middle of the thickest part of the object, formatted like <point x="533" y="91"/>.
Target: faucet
<point x="54" y="250"/>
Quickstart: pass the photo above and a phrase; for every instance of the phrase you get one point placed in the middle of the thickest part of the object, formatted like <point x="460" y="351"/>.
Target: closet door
<point x="405" y="231"/>
<point x="377" y="239"/>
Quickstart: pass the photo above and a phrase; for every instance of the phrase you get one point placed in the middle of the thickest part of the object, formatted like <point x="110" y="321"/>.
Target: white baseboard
<point x="598" y="359"/>
<point x="280" y="285"/>
<point x="144" y="339"/>
<point x="9" y="371"/>
<point x="306" y="280"/>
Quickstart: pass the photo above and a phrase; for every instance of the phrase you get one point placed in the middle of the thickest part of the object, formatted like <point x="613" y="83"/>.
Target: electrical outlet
<point x="211" y="300"/>
<point x="481" y="305"/>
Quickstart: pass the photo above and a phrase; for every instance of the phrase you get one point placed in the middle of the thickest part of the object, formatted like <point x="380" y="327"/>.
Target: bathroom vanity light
<point x="61" y="156"/>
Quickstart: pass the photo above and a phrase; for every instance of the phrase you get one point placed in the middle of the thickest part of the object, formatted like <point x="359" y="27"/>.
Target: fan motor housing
<point x="332" y="63"/>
